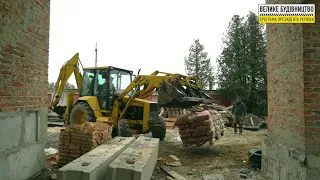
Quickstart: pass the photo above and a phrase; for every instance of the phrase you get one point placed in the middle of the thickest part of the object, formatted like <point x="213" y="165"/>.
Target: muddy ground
<point x="228" y="156"/>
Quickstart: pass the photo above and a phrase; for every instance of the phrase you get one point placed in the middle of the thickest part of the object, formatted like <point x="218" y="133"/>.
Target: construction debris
<point x="171" y="173"/>
<point x="50" y="151"/>
<point x="213" y="177"/>
<point x="174" y="157"/>
<point x="200" y="127"/>
<point x="76" y="140"/>
<point x="176" y="162"/>
<point x="250" y="120"/>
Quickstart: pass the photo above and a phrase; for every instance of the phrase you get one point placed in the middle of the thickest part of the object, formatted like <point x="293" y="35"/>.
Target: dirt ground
<point x="228" y="156"/>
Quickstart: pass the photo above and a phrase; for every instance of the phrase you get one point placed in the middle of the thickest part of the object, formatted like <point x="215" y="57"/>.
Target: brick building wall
<point x="311" y="57"/>
<point x="24" y="34"/>
<point x="291" y="150"/>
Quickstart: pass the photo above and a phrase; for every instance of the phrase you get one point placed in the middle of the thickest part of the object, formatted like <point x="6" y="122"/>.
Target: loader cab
<point x="106" y="83"/>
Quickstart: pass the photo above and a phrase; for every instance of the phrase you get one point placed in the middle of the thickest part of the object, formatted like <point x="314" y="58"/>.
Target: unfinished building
<point x="24" y="45"/>
<point x="292" y="148"/>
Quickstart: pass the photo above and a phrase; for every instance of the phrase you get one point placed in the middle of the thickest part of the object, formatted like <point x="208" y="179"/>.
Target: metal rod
<point x="96" y="50"/>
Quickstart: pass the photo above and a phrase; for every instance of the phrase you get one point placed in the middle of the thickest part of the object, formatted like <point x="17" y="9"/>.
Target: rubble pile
<point x="76" y="140"/>
<point x="200" y="127"/>
<point x="227" y="118"/>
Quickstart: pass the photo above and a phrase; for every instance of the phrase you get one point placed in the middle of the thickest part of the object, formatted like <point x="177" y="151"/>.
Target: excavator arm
<point x="69" y="67"/>
<point x="180" y="80"/>
<point x="173" y="89"/>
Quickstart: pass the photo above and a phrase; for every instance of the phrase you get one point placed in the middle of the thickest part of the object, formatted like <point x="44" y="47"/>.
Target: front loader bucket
<point x="174" y="96"/>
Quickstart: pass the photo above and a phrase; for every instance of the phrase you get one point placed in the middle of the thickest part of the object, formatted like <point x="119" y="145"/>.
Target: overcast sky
<point x="132" y="34"/>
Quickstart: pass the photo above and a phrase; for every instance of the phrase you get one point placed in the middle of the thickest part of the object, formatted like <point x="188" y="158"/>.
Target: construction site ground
<point x="228" y="156"/>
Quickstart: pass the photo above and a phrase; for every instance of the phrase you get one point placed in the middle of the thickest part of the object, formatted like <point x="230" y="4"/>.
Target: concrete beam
<point x="22" y="150"/>
<point x="137" y="162"/>
<point x="94" y="164"/>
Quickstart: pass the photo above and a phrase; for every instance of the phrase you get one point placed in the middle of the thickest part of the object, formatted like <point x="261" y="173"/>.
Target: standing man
<point x="238" y="112"/>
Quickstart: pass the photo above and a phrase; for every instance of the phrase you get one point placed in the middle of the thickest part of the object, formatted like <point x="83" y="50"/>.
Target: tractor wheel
<point x="158" y="128"/>
<point x="80" y="113"/>
<point x="124" y="128"/>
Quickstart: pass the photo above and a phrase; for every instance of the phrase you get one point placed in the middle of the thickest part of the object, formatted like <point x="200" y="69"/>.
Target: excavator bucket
<point x="174" y="95"/>
<point x="59" y="110"/>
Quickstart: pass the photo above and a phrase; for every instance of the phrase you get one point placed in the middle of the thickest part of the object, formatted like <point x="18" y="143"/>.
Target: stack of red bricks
<point x="76" y="140"/>
<point x="200" y="127"/>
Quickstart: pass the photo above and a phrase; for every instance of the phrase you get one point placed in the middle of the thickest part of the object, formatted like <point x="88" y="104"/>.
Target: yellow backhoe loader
<point x="110" y="94"/>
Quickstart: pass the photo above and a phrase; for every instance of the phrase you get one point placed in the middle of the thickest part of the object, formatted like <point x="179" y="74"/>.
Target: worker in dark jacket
<point x="239" y="112"/>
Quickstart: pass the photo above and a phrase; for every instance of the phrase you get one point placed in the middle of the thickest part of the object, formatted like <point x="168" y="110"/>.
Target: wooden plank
<point x="170" y="119"/>
<point x="228" y="108"/>
<point x="172" y="173"/>
<point x="40" y="2"/>
<point x="169" y="178"/>
<point x="169" y="124"/>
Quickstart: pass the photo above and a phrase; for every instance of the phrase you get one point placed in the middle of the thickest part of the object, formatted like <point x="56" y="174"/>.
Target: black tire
<point x="124" y="128"/>
<point x="252" y="128"/>
<point x="80" y="113"/>
<point x="158" y="129"/>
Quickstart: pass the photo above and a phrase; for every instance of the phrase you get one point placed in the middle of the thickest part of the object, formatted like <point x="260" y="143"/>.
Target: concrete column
<point x="292" y="148"/>
<point x="24" y="44"/>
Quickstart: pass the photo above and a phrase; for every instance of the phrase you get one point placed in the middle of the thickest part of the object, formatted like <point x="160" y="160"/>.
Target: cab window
<point x="87" y="83"/>
<point x="120" y="79"/>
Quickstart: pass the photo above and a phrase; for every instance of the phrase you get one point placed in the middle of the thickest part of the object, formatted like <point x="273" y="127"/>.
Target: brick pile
<point x="76" y="140"/>
<point x="175" y="112"/>
<point x="200" y="127"/>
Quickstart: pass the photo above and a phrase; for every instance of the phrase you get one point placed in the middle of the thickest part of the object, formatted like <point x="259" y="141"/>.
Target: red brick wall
<point x="221" y="101"/>
<point x="24" y="54"/>
<point x="293" y="63"/>
<point x="285" y="84"/>
<point x="217" y="98"/>
<point x="311" y="57"/>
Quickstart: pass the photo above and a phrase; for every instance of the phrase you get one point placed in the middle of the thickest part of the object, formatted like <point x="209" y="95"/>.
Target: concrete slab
<point x="31" y="124"/>
<point x="21" y="154"/>
<point x="137" y="162"/>
<point x="10" y="130"/>
<point x="22" y="163"/>
<point x="42" y="124"/>
<point x="94" y="164"/>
